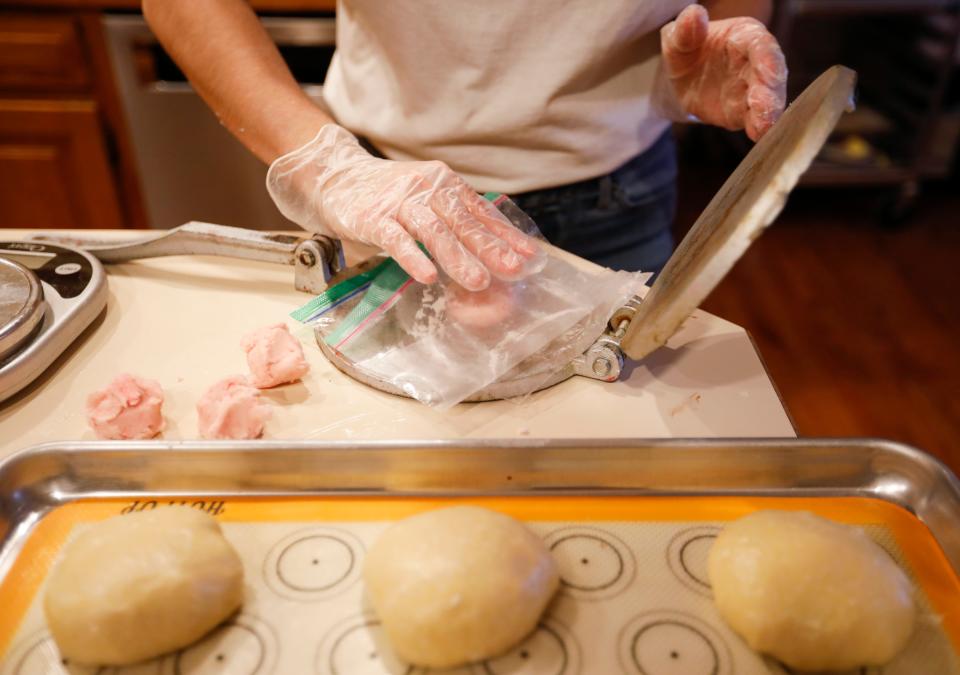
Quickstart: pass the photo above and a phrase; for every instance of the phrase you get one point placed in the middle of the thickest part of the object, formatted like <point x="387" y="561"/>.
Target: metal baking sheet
<point x="642" y="513"/>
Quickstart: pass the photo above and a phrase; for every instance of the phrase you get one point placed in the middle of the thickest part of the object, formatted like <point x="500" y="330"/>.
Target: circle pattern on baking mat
<point x="687" y="557"/>
<point x="313" y="564"/>
<point x="243" y="646"/>
<point x="777" y="668"/>
<point x="673" y="643"/>
<point x="38" y="655"/>
<point x="593" y="563"/>
<point x="549" y="650"/>
<point x="359" y="646"/>
<point x="148" y="668"/>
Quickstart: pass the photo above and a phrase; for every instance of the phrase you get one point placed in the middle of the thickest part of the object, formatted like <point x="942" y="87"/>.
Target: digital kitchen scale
<point x="48" y="295"/>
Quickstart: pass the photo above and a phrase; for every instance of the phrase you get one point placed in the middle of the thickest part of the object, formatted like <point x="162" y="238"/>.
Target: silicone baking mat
<point x="634" y="597"/>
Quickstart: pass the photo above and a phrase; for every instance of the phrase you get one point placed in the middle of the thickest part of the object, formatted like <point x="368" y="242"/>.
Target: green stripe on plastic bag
<point x="384" y="291"/>
<point x="334" y="294"/>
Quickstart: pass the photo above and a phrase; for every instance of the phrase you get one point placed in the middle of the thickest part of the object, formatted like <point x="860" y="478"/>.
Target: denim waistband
<point x="654" y="168"/>
<point x="657" y="165"/>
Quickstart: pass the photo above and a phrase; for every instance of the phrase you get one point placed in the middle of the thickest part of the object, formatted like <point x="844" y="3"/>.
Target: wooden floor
<point x="859" y="325"/>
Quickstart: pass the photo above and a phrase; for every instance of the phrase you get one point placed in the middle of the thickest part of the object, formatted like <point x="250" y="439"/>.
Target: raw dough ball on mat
<point x="136" y="586"/>
<point x="816" y="594"/>
<point x="128" y="408"/>
<point x="274" y="356"/>
<point x="458" y="584"/>
<point x="232" y="409"/>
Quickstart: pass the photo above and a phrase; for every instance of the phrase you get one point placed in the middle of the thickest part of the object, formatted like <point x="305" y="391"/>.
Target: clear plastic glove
<point x="332" y="185"/>
<point x="730" y="73"/>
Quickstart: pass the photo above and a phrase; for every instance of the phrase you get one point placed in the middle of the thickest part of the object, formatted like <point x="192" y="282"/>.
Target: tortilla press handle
<point x="315" y="260"/>
<point x="748" y="202"/>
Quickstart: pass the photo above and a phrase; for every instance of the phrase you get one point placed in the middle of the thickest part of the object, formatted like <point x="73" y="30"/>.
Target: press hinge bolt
<point x="307" y="258"/>
<point x="601" y="367"/>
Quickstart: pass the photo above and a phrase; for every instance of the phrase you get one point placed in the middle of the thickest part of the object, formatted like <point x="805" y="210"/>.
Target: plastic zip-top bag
<point x="440" y="344"/>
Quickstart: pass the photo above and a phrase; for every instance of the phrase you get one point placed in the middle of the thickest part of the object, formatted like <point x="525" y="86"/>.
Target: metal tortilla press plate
<point x="602" y="361"/>
<point x="747" y="203"/>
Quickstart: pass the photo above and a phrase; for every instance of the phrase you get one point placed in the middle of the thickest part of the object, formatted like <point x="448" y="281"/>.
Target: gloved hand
<point x="730" y="73"/>
<point x="334" y="186"/>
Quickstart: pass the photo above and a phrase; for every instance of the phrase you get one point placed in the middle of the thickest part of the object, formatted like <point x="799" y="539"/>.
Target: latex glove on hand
<point x="729" y="73"/>
<point x="333" y="186"/>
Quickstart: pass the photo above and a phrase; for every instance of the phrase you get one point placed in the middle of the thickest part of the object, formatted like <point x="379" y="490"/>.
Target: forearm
<point x="727" y="9"/>
<point x="235" y="67"/>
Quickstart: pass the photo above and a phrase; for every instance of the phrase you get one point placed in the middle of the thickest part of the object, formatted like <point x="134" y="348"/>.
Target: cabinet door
<point x="41" y="53"/>
<point x="54" y="171"/>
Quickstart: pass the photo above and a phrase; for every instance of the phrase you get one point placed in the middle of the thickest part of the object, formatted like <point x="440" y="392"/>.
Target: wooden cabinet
<point x="67" y="159"/>
<point x="54" y="171"/>
<point x="64" y="153"/>
<point x="38" y="53"/>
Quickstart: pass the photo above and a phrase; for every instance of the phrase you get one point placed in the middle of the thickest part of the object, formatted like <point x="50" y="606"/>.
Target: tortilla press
<point x="748" y="202"/>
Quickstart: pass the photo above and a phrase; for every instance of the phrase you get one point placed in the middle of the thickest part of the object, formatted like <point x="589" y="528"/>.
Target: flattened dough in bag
<point x="439" y="345"/>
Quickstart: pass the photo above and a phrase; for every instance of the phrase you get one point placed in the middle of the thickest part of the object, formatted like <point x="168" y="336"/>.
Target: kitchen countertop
<point x="179" y="320"/>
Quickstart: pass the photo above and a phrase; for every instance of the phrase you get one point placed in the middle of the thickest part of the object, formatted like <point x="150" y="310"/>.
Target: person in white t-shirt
<point x="566" y="106"/>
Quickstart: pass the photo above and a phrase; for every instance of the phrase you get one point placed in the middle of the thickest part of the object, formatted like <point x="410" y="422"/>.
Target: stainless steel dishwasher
<point x="190" y="167"/>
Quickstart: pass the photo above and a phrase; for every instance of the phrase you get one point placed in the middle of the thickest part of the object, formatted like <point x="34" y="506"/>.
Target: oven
<point x="191" y="167"/>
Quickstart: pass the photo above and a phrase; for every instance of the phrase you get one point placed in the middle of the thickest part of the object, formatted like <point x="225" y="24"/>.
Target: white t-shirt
<point x="514" y="95"/>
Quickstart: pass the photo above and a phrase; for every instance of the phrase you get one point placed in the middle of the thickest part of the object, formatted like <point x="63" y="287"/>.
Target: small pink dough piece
<point x="232" y="409"/>
<point x="481" y="309"/>
<point x="127" y="408"/>
<point x="274" y="356"/>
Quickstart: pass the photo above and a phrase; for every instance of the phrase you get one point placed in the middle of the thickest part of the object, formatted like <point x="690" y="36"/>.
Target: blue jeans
<point x="621" y="220"/>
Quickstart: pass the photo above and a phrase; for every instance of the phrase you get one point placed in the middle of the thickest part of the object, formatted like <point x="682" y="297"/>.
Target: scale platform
<point x="48" y="295"/>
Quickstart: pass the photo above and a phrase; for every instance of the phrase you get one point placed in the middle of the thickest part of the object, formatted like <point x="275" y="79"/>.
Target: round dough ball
<point x="136" y="586"/>
<point x="458" y="584"/>
<point x="815" y="594"/>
